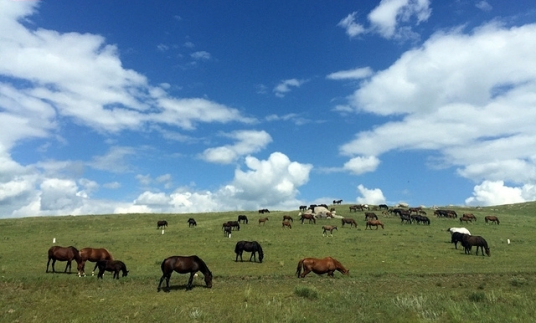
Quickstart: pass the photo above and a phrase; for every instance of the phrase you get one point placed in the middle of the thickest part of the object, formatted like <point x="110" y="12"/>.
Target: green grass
<point x="404" y="273"/>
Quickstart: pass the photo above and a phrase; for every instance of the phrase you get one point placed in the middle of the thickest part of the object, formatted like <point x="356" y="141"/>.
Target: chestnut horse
<point x="263" y="220"/>
<point x="309" y="217"/>
<point x="184" y="265"/>
<point x="114" y="266"/>
<point x="492" y="218"/>
<point x="329" y="228"/>
<point x="93" y="255"/>
<point x="62" y="254"/>
<point x="349" y="221"/>
<point x="374" y="223"/>
<point x="320" y="266"/>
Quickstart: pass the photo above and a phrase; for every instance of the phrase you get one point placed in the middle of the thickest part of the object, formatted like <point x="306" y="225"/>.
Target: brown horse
<point x="469" y="216"/>
<point x="263" y="220"/>
<point x="492" y="218"/>
<point x="62" y="254"/>
<point x="161" y="224"/>
<point x="349" y="221"/>
<point x="114" y="266"/>
<point x="374" y="223"/>
<point x="320" y="266"/>
<point x="184" y="265"/>
<point x="465" y="219"/>
<point x="286" y="224"/>
<point x="329" y="228"/>
<point x="469" y="241"/>
<point x="288" y="218"/>
<point x="309" y="217"/>
<point x="93" y="255"/>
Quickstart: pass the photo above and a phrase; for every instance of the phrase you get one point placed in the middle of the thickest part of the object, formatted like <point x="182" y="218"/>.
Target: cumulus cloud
<point x="285" y="86"/>
<point x="496" y="193"/>
<point x="247" y="142"/>
<point x="370" y="196"/>
<point x="360" y="165"/>
<point x="352" y="28"/>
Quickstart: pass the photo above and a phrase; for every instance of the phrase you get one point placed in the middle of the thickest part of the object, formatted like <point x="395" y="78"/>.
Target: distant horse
<point x="464" y="219"/>
<point x="320" y="266"/>
<point x="62" y="254"/>
<point x="191" y="222"/>
<point x="288" y="218"/>
<point x="93" y="255"/>
<point x="492" y="218"/>
<point x="349" y="221"/>
<point x="469" y="241"/>
<point x="469" y="216"/>
<point x="242" y="219"/>
<point x="286" y="224"/>
<point x="309" y="217"/>
<point x="337" y="201"/>
<point x="232" y="224"/>
<point x="303" y="207"/>
<point x="383" y="206"/>
<point x="263" y="220"/>
<point x="184" y="265"/>
<point x="329" y="228"/>
<point x="249" y="246"/>
<point x="374" y="223"/>
<point x="227" y="230"/>
<point x="371" y="216"/>
<point x="262" y="211"/>
<point x="161" y="224"/>
<point x="114" y="266"/>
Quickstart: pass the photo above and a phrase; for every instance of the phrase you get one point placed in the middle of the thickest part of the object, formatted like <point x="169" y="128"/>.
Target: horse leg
<point x="53" y="267"/>
<point x="68" y="266"/>
<point x="48" y="262"/>
<point x="189" y="286"/>
<point x="93" y="271"/>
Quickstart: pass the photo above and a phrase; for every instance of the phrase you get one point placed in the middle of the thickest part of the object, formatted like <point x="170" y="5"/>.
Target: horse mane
<point x="203" y="266"/>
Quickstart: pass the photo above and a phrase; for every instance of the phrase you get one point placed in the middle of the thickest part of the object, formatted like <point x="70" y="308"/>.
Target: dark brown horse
<point x="469" y="216"/>
<point x="288" y="218"/>
<point x="243" y="219"/>
<point x="62" y="254"/>
<point x="309" y="217"/>
<point x="320" y="266"/>
<point x="93" y="255"/>
<point x="161" y="224"/>
<point x="492" y="218"/>
<point x="465" y="219"/>
<point x="330" y="228"/>
<point x="374" y="223"/>
<point x="349" y="221"/>
<point x="249" y="246"/>
<point x="114" y="266"/>
<point x="191" y="222"/>
<point x="286" y="224"/>
<point x="184" y="265"/>
<point x="469" y="241"/>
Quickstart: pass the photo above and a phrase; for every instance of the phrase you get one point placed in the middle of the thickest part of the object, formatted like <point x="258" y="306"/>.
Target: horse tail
<point x="238" y="247"/>
<point x="299" y="269"/>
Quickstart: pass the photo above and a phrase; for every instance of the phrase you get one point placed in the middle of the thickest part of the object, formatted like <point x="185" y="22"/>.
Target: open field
<point x="404" y="273"/>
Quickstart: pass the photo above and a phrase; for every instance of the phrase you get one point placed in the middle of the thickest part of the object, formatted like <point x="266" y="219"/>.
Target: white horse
<point x="460" y="230"/>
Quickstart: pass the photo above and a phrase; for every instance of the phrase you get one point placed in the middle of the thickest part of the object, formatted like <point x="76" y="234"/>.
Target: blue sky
<point x="125" y="106"/>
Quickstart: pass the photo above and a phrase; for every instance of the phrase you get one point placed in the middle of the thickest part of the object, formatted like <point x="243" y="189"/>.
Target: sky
<point x="187" y="106"/>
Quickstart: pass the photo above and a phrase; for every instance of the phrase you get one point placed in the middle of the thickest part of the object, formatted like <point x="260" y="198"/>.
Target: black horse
<point x="191" y="222"/>
<point x="457" y="237"/>
<point x="249" y="246"/>
<point x="242" y="219"/>
<point x="184" y="265"/>
<point x="161" y="224"/>
<point x="114" y="266"/>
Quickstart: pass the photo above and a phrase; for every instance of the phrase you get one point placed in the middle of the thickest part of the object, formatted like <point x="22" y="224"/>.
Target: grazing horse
<point x="227" y="230"/>
<point x="262" y="211"/>
<point x="370" y="215"/>
<point x="232" y="224"/>
<point x="492" y="218"/>
<point x="320" y="266"/>
<point x="191" y="222"/>
<point x="464" y="219"/>
<point x="308" y="216"/>
<point x="286" y="224"/>
<point x="263" y="220"/>
<point x="329" y="228"/>
<point x="348" y="221"/>
<point x="184" y="265"/>
<point x="161" y="224"/>
<point x="288" y="218"/>
<point x="242" y="219"/>
<point x="374" y="223"/>
<point x="249" y="246"/>
<point x="383" y="206"/>
<point x="62" y="254"/>
<point x="93" y="255"/>
<point x="114" y="266"/>
<point x="469" y="241"/>
<point x="469" y="216"/>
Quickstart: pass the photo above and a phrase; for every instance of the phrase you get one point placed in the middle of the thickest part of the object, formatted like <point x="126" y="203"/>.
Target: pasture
<point x="404" y="273"/>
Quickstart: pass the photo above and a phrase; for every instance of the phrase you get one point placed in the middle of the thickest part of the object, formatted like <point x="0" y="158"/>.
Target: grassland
<point x="404" y="273"/>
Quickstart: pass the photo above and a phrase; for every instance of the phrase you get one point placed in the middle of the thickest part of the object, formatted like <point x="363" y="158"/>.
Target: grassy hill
<point x="404" y="273"/>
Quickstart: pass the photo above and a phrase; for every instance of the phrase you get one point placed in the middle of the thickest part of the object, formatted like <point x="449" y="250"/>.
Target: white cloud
<point x="370" y="196"/>
<point x="285" y="86"/>
<point x="389" y="14"/>
<point x="496" y="193"/>
<point x="355" y="74"/>
<point x="247" y="142"/>
<point x="115" y="160"/>
<point x="352" y="28"/>
<point x="201" y="55"/>
<point x="360" y="165"/>
<point x="484" y="5"/>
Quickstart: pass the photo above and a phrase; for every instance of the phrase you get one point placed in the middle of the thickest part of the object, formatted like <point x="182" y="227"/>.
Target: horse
<point x="184" y="265"/>
<point x="249" y="246"/>
<point x="191" y="222"/>
<point x="303" y="208"/>
<point x="262" y="211"/>
<point x="286" y="224"/>
<point x="242" y="219"/>
<point x="114" y="266"/>
<point x="329" y="228"/>
<point x="263" y="220"/>
<point x="309" y="217"/>
<point x="93" y="255"/>
<point x="370" y="215"/>
<point x="320" y="266"/>
<point x="464" y="219"/>
<point x="492" y="218"/>
<point x="469" y="216"/>
<point x="383" y="206"/>
<point x="461" y="230"/>
<point x="232" y="224"/>
<point x="457" y="237"/>
<point x="62" y="254"/>
<point x="288" y="218"/>
<point x="227" y="230"/>
<point x="469" y="241"/>
<point x="337" y="201"/>
<point x="349" y="221"/>
<point x="374" y="223"/>
<point x="161" y="224"/>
